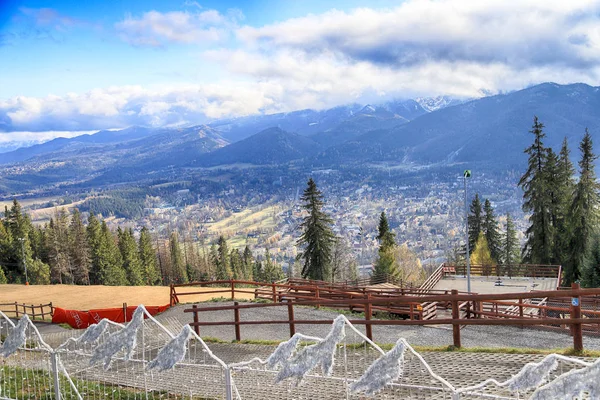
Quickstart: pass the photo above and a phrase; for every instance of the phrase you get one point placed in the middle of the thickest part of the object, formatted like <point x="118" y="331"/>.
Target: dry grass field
<point x="93" y="297"/>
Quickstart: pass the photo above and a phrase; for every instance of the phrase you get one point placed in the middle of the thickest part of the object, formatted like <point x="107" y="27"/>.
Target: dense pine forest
<point x="69" y="251"/>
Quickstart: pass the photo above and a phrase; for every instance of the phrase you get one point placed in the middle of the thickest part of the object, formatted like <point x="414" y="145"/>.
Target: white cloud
<point x="156" y="29"/>
<point x="420" y="48"/>
<point x="133" y="105"/>
<point x="516" y="33"/>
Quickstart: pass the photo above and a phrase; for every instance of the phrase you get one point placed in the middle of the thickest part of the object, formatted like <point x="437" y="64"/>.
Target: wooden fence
<point x="508" y="270"/>
<point x="35" y="312"/>
<point x="466" y="309"/>
<point x="320" y="293"/>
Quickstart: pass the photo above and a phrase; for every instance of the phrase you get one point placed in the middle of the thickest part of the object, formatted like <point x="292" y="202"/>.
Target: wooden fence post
<point x="125" y="312"/>
<point x="521" y="311"/>
<point x="368" y="313"/>
<point x="576" y="314"/>
<point x="317" y="296"/>
<point x="196" y="327"/>
<point x="232" y="290"/>
<point x="455" y="320"/>
<point x="290" y="307"/>
<point x="236" y="315"/>
<point x="17" y="310"/>
<point x="274" y="293"/>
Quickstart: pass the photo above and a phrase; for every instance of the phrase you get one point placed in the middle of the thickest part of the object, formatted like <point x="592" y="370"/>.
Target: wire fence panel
<point x="144" y="360"/>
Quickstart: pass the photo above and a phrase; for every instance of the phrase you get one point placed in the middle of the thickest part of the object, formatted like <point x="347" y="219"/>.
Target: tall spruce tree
<point x="584" y="212"/>
<point x="236" y="264"/>
<point x="317" y="236"/>
<point x="591" y="274"/>
<point x="177" y="263"/>
<point x="272" y="271"/>
<point x="79" y="250"/>
<point x="475" y="221"/>
<point x="110" y="260"/>
<point x="247" y="263"/>
<point x="94" y="238"/>
<point x="20" y="253"/>
<point x="223" y="260"/>
<point x="386" y="264"/>
<point x="564" y="188"/>
<point x="385" y="236"/>
<point x="510" y="243"/>
<point x="490" y="227"/>
<point x="147" y="255"/>
<point x="58" y="255"/>
<point x="534" y="182"/>
<point x="131" y="258"/>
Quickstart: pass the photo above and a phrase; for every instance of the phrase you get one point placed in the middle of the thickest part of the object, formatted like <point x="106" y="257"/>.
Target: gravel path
<point x="439" y="335"/>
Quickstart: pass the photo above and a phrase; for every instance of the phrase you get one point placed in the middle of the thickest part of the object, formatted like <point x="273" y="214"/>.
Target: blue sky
<point x="68" y="67"/>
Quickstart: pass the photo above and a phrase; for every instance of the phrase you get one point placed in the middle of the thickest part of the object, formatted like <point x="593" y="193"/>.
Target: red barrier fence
<point x="83" y="319"/>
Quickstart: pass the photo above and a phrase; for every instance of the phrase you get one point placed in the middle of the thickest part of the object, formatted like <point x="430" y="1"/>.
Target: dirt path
<point x="94" y="297"/>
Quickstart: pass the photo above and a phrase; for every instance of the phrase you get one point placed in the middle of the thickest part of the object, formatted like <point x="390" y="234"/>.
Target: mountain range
<point x="490" y="132"/>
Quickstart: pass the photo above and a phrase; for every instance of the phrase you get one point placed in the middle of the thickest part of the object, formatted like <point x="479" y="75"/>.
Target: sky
<point x="70" y="66"/>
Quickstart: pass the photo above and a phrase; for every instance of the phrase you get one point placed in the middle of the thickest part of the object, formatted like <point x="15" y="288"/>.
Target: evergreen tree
<point x="5" y="246"/>
<point x="223" y="264"/>
<point x="38" y="244"/>
<point x="147" y="255"/>
<point x="538" y="245"/>
<point x="272" y="272"/>
<point x="94" y="239"/>
<point x="510" y="248"/>
<point x="490" y="227"/>
<point x="591" y="274"/>
<point x="564" y="188"/>
<point x="248" y="263"/>
<point x="3" y="279"/>
<point x="317" y="237"/>
<point x="236" y="264"/>
<point x="257" y="271"/>
<point x="384" y="234"/>
<point x="110" y="262"/>
<point x="79" y="250"/>
<point x="38" y="272"/>
<point x="584" y="212"/>
<point x="386" y="264"/>
<point x="58" y="249"/>
<point x="131" y="258"/>
<point x="177" y="264"/>
<point x="19" y="254"/>
<point x="475" y="221"/>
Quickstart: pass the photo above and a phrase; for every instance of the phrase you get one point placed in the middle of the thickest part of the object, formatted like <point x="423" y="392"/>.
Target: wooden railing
<point x="510" y="270"/>
<point x="17" y="310"/>
<point x="433" y="278"/>
<point x="467" y="309"/>
<point x="296" y="291"/>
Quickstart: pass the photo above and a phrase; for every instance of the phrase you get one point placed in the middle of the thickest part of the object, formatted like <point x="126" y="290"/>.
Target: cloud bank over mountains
<point x="420" y="48"/>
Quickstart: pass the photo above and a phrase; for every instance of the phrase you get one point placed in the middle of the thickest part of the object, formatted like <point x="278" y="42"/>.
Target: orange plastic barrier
<point x="83" y="319"/>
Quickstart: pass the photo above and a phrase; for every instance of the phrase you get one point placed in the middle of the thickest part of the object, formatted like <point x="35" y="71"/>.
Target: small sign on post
<point x="575" y="301"/>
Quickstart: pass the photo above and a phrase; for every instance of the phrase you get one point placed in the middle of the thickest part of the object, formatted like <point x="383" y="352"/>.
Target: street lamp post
<point x="467" y="174"/>
<point x="22" y="240"/>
